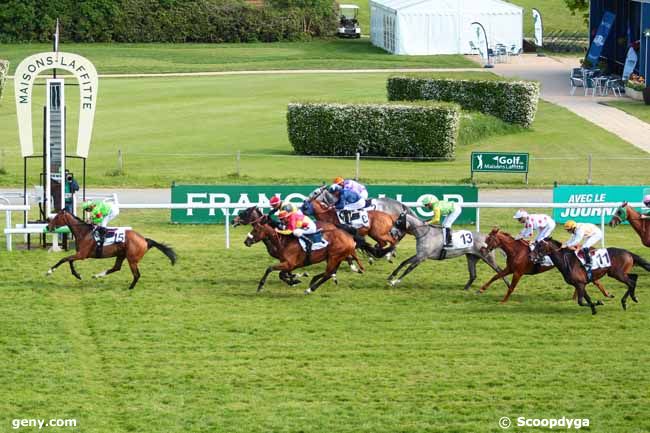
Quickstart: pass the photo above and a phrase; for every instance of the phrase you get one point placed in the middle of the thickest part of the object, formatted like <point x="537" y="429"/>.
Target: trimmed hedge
<point x="165" y="20"/>
<point x="511" y="101"/>
<point x="413" y="130"/>
<point x="4" y="70"/>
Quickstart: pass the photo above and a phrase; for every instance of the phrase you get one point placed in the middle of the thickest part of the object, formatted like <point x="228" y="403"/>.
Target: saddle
<point x="599" y="258"/>
<point x="318" y="242"/>
<point x="355" y="218"/>
<point x="113" y="235"/>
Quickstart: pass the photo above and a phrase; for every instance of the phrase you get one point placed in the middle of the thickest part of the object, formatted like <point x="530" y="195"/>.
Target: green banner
<point x="506" y="162"/>
<point x="593" y="194"/>
<point x="297" y="193"/>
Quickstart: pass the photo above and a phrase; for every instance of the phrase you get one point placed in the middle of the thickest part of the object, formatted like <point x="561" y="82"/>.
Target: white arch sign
<point x="24" y="78"/>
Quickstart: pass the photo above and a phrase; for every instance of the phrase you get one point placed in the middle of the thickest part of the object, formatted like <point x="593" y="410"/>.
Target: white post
<point x="237" y="160"/>
<point x="226" y="213"/>
<point x="357" y="166"/>
<point x="602" y="229"/>
<point x="478" y="219"/>
<point x="8" y="235"/>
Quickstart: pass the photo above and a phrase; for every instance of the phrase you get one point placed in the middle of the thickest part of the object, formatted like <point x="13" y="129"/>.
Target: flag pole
<point x="56" y="45"/>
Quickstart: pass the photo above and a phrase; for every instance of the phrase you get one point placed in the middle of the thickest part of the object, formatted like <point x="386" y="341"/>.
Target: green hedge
<point x="511" y="101"/>
<point x="165" y="20"/>
<point x="4" y="70"/>
<point x="390" y="129"/>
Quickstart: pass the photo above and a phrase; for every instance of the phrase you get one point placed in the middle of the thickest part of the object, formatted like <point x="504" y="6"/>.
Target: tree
<point x="579" y="6"/>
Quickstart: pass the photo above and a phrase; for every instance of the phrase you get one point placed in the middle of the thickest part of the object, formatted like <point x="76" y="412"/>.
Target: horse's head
<point x="399" y="226"/>
<point x="542" y="248"/>
<point x="246" y="216"/>
<point x="493" y="240"/>
<point x="58" y="220"/>
<point x="260" y="231"/>
<point x="620" y="215"/>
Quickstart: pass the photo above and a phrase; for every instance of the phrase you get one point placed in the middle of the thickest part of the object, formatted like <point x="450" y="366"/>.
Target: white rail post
<point x="357" y="166"/>
<point x="602" y="229"/>
<point x="8" y="235"/>
<point x="478" y="219"/>
<point x="589" y="170"/>
<point x="226" y="213"/>
<point x="237" y="163"/>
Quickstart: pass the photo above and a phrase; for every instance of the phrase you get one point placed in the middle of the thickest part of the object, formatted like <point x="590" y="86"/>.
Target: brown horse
<point x="574" y="273"/>
<point x="379" y="228"/>
<point x="518" y="262"/>
<point x="640" y="225"/>
<point x="132" y="249"/>
<point x="291" y="255"/>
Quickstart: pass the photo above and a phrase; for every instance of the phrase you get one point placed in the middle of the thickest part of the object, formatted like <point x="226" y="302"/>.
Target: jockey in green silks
<point x="449" y="209"/>
<point x="101" y="213"/>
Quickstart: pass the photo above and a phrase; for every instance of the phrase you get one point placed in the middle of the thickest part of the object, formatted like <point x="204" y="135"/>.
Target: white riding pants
<point x="450" y="218"/>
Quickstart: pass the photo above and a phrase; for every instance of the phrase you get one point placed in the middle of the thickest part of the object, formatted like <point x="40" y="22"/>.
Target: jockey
<point x="277" y="204"/>
<point x="352" y="185"/>
<point x="646" y="203"/>
<point x="299" y="225"/>
<point x="449" y="209"/>
<point x="583" y="233"/>
<point x="347" y="200"/>
<point x="544" y="225"/>
<point x="101" y="213"/>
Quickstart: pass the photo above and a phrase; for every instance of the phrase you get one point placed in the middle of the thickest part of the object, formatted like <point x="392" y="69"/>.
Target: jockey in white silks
<point x="543" y="224"/>
<point x="352" y="185"/>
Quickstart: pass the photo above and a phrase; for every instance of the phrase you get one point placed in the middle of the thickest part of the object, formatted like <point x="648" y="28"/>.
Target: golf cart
<point x="348" y="24"/>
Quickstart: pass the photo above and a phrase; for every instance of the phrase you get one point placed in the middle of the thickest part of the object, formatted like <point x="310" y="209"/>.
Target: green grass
<point x="159" y="58"/>
<point x="634" y="108"/>
<point x="555" y="14"/>
<point x="194" y="349"/>
<point x="188" y="130"/>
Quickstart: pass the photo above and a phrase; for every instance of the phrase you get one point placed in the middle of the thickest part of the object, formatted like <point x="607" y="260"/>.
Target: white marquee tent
<point x="425" y="27"/>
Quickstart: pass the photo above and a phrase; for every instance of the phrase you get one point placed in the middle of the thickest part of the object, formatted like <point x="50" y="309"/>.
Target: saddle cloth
<point x="461" y="239"/>
<point x="599" y="258"/>
<point x="546" y="261"/>
<point x="358" y="218"/>
<point x="315" y="246"/>
<point x="114" y="235"/>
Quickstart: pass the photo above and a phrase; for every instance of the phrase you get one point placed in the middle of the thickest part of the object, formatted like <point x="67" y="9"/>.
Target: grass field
<point x="159" y="58"/>
<point x="194" y="349"/>
<point x="189" y="129"/>
<point x="555" y="14"/>
<point x="634" y="108"/>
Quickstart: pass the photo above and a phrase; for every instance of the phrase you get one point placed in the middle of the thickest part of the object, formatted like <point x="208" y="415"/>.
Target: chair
<point x="576" y="79"/>
<point x="616" y="84"/>
<point x="473" y="48"/>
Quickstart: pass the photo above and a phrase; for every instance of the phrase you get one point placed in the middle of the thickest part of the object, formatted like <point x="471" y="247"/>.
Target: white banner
<point x="539" y="28"/>
<point x="480" y="40"/>
<point x="24" y="78"/>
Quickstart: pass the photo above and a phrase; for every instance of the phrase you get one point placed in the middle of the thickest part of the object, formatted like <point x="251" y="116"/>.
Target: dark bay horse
<point x="132" y="249"/>
<point x="291" y="255"/>
<point x="565" y="260"/>
<point x="379" y="229"/>
<point x="641" y="226"/>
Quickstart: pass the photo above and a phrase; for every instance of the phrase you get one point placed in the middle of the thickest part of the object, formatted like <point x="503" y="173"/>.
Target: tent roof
<point x="489" y="6"/>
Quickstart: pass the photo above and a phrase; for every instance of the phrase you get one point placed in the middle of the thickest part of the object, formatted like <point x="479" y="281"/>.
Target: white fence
<point x="227" y="207"/>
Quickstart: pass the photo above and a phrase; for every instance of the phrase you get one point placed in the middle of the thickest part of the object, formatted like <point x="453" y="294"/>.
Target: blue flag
<point x="600" y="38"/>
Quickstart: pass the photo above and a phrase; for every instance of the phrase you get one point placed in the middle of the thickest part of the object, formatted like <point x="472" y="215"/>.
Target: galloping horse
<point x="379" y="223"/>
<point x="518" y="262"/>
<point x="430" y="244"/>
<point x="641" y="226"/>
<point x="251" y="214"/>
<point x="291" y="255"/>
<point x="565" y="260"/>
<point x="132" y="249"/>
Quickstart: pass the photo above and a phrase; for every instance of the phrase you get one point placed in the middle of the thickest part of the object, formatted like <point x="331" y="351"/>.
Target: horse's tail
<point x="640" y="261"/>
<point x="162" y="247"/>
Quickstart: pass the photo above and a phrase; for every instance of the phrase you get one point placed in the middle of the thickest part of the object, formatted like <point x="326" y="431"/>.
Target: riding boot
<point x="448" y="242"/>
<point x="308" y="245"/>
<point x="101" y="231"/>
<point x="587" y="263"/>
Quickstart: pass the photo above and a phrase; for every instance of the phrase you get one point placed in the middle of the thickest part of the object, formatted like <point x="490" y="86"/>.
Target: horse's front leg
<point x="60" y="262"/>
<point x="399" y="268"/>
<point x="73" y="270"/>
<point x="603" y="290"/>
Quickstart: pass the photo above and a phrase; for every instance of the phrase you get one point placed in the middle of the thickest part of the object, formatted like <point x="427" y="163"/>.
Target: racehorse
<point x="132" y="249"/>
<point x="641" y="226"/>
<point x="518" y="262"/>
<point x="291" y="255"/>
<point x="383" y="204"/>
<point x="251" y="214"/>
<point x="429" y="245"/>
<point x="379" y="226"/>
<point x="574" y="273"/>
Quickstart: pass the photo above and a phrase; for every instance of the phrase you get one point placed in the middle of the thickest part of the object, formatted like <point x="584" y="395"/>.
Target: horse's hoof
<point x="49" y="272"/>
<point x="292" y="283"/>
<point x="305" y="274"/>
<point x="371" y="260"/>
<point x="593" y="312"/>
<point x="307" y="292"/>
<point x="611" y="296"/>
<point x="599" y="302"/>
<point x="478" y="292"/>
<point x="354" y="268"/>
<point x="259" y="289"/>
<point x="394" y="283"/>
<point x="635" y="299"/>
<point x="78" y="277"/>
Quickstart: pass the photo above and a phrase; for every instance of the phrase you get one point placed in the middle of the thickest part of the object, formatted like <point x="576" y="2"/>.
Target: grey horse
<point x="429" y="245"/>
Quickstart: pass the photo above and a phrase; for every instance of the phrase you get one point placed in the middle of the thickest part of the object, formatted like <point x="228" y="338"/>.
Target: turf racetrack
<point x="194" y="349"/>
